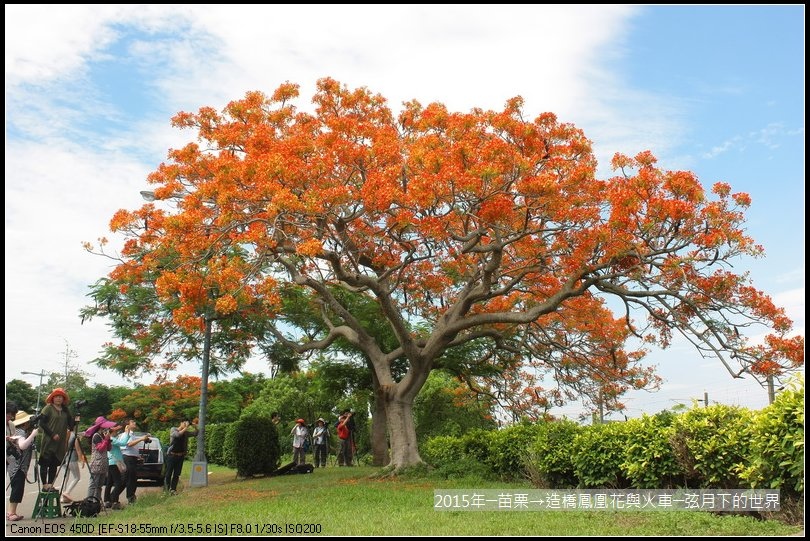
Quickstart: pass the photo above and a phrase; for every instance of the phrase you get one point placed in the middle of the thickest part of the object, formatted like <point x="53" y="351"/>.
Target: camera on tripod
<point x="35" y="419"/>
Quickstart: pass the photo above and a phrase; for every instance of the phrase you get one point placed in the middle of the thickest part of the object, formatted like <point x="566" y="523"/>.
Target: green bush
<point x="599" y="454"/>
<point x="228" y="446"/>
<point x="476" y="445"/>
<point x="254" y="446"/>
<point x="549" y="460"/>
<point x="439" y="451"/>
<point x="711" y="445"/>
<point x="507" y="449"/>
<point x="215" y="442"/>
<point x="777" y="444"/>
<point x="649" y="460"/>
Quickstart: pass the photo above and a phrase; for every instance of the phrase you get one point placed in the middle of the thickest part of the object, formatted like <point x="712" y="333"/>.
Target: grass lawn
<point x="348" y="501"/>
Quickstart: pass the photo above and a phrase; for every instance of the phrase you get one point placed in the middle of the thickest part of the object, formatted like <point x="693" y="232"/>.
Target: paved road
<point x="28" y="526"/>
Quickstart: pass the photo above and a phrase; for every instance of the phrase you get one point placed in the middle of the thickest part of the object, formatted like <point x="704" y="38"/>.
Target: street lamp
<point x="41" y="375"/>
<point x="199" y="466"/>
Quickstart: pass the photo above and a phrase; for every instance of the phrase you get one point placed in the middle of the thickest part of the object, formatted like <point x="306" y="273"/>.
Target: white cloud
<point x="725" y="146"/>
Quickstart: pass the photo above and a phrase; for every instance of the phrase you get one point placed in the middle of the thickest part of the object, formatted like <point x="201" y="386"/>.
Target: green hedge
<point x="549" y="460"/>
<point x="777" y="445"/>
<point x="598" y="454"/>
<point x="215" y="441"/>
<point x="715" y="447"/>
<point x="649" y="460"/>
<point x="711" y="445"/>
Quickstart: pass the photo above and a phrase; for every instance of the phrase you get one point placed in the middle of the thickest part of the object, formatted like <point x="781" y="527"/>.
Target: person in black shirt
<point x="176" y="454"/>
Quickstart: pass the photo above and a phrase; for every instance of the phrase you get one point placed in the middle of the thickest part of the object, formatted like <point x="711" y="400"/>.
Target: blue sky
<point x="90" y="90"/>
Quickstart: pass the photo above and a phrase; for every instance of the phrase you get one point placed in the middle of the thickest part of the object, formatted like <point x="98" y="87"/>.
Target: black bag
<point x="292" y="468"/>
<point x="88" y="507"/>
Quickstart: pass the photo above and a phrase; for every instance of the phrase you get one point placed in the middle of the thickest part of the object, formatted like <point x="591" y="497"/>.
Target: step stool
<point x="47" y="505"/>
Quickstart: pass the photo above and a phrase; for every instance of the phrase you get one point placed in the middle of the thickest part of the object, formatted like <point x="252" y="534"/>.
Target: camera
<point x="80" y="403"/>
<point x="35" y="420"/>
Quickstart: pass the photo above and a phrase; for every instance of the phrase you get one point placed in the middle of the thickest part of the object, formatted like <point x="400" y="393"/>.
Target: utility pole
<point x="705" y="399"/>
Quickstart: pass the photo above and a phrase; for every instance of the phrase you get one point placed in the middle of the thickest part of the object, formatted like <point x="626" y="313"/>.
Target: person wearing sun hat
<point x="55" y="422"/>
<point x="100" y="444"/>
<point x="18" y="458"/>
<point x="299" y="434"/>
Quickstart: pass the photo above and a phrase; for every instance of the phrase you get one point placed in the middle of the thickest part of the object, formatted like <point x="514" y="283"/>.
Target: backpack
<point x="343" y="432"/>
<point x="88" y="507"/>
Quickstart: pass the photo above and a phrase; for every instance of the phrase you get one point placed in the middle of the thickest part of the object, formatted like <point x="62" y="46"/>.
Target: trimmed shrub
<point x="649" y="460"/>
<point x="476" y="445"/>
<point x="777" y="444"/>
<point x="215" y="441"/>
<point x="711" y="444"/>
<point x="549" y="460"/>
<point x="599" y="452"/>
<point x="458" y="457"/>
<point x="440" y="451"/>
<point x="507" y="448"/>
<point x="252" y="441"/>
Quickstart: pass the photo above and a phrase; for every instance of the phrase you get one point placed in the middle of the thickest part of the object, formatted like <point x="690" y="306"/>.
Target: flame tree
<point x="478" y="227"/>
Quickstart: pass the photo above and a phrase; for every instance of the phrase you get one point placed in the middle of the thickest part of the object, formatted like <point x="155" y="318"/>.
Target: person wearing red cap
<point x="55" y="421"/>
<point x="300" y="432"/>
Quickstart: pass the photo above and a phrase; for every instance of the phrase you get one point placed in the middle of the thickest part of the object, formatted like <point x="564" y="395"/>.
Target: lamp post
<point x="199" y="466"/>
<point x="41" y="375"/>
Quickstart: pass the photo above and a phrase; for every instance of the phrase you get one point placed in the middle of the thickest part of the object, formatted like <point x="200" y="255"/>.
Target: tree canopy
<point x="480" y="227"/>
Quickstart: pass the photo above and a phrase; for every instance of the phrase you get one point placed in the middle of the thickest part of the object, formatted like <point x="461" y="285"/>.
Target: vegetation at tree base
<point x="481" y="230"/>
<point x="598" y="455"/>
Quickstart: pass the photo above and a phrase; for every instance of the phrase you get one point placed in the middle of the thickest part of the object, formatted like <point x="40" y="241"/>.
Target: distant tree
<point x="447" y="407"/>
<point x="162" y="405"/>
<point x="22" y="394"/>
<point x="99" y="400"/>
<point x="230" y="397"/>
<point x="70" y="376"/>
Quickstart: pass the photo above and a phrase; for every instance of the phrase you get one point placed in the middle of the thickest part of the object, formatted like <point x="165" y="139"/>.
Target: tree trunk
<point x="379" y="428"/>
<point x="404" y="451"/>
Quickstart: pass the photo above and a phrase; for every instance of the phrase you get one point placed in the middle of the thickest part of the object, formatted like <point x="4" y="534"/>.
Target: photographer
<point x="19" y="449"/>
<point x="176" y="454"/>
<point x="131" y="455"/>
<point x="100" y="436"/>
<point x="55" y="421"/>
<point x="345" y="431"/>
